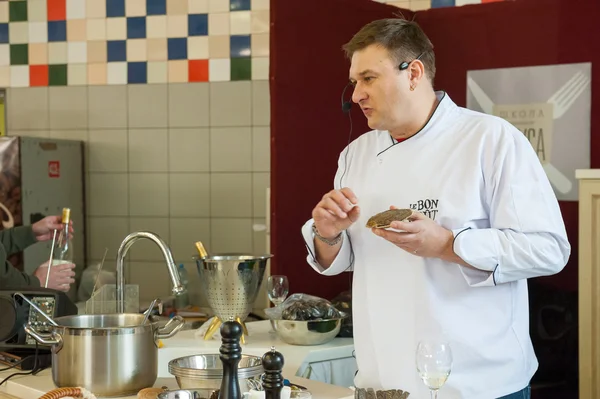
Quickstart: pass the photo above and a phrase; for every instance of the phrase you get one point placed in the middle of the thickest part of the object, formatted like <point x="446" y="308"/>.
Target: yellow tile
<point x="4" y="11"/>
<point x="76" y="30"/>
<point x="96" y="29"/>
<point x="38" y="53"/>
<point x="260" y="21"/>
<point x="156" y="26"/>
<point x="177" y="26"/>
<point x="116" y="29"/>
<point x="57" y="53"/>
<point x="77" y="74"/>
<point x="96" y="74"/>
<point x="156" y="49"/>
<point x="198" y="6"/>
<point x="135" y="8"/>
<point x="178" y="71"/>
<point x="239" y="23"/>
<point x="218" y="24"/>
<point x="5" y="76"/>
<point x="198" y="47"/>
<point x="95" y="8"/>
<point x="218" y="47"/>
<point x="96" y="51"/>
<point x="260" y="45"/>
<point x="136" y="50"/>
<point x="157" y="72"/>
<point x="36" y="10"/>
<point x="18" y="32"/>
<point x="177" y="7"/>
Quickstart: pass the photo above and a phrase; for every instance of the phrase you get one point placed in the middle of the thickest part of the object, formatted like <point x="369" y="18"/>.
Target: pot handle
<point x="171" y="328"/>
<point x="55" y="339"/>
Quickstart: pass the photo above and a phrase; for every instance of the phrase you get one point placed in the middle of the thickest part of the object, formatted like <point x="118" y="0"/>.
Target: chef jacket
<point x="478" y="176"/>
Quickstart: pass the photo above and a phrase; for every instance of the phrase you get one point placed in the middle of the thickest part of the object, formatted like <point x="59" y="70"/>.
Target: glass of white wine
<point x="434" y="362"/>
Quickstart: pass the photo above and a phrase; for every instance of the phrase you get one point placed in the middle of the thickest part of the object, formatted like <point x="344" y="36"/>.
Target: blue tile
<point x="156" y="7"/>
<point x="177" y="48"/>
<point x="57" y="31"/>
<point x="442" y="3"/>
<point x="115" y="8"/>
<point x="116" y="50"/>
<point x="239" y="45"/>
<point x="137" y="72"/>
<point x="198" y="24"/>
<point x="4" y="33"/>
<point x="136" y="27"/>
<point x="239" y="5"/>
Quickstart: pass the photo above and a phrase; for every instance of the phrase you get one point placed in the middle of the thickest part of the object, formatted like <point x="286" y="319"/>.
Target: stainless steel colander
<point x="231" y="282"/>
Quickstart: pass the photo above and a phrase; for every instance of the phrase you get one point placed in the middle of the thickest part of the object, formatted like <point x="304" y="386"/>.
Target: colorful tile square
<point x="19" y="54"/>
<point x="198" y="70"/>
<point x="115" y="8"/>
<point x="57" y="31"/>
<point x="57" y="75"/>
<point x="38" y="75"/>
<point x="57" y="10"/>
<point x="177" y="48"/>
<point x="239" y="5"/>
<point x="4" y="37"/>
<point x="239" y="46"/>
<point x="156" y="7"/>
<point x="136" y="27"/>
<point x="197" y="24"/>
<point x="17" y="11"/>
<point x="241" y="69"/>
<point x="137" y="72"/>
<point x="442" y="3"/>
<point x="116" y="50"/>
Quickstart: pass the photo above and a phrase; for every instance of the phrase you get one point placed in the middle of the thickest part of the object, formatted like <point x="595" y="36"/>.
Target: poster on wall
<point x="551" y="105"/>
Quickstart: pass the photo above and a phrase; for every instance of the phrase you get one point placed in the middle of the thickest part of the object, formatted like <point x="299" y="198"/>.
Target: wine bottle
<point x="63" y="247"/>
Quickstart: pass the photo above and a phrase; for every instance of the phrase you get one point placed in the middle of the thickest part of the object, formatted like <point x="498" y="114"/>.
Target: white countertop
<point x="587" y="174"/>
<point x="186" y="343"/>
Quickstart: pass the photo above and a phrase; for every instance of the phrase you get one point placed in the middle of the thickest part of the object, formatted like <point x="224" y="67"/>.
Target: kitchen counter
<point x="186" y="343"/>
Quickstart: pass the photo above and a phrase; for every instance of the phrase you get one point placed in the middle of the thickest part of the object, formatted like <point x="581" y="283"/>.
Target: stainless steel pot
<point x="109" y="355"/>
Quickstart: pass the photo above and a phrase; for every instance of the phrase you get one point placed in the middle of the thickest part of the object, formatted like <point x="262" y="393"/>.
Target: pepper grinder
<point x="272" y="362"/>
<point x="231" y="353"/>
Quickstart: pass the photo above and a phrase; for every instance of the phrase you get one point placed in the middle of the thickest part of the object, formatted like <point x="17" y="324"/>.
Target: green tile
<point x="241" y="69"/>
<point x="19" y="54"/>
<point x="57" y="75"/>
<point x="17" y="11"/>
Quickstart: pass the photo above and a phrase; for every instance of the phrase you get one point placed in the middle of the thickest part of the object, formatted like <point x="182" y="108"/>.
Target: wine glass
<point x="434" y="361"/>
<point x="277" y="288"/>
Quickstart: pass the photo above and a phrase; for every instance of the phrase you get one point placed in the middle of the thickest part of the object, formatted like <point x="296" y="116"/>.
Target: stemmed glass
<point x="434" y="361"/>
<point x="277" y="289"/>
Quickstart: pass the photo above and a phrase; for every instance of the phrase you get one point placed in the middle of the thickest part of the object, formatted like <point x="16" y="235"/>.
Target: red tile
<point x="38" y="75"/>
<point x="198" y="70"/>
<point x="57" y="10"/>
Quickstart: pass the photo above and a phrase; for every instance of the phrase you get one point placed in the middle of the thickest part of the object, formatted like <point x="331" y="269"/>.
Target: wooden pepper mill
<point x="272" y="362"/>
<point x="231" y="353"/>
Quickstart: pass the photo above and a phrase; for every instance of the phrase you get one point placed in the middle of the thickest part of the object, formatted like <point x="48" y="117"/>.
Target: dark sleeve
<point x="10" y="277"/>
<point x="17" y="239"/>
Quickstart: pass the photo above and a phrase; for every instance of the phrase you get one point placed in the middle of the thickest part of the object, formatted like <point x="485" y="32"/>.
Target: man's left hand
<point x="421" y="236"/>
<point x="44" y="229"/>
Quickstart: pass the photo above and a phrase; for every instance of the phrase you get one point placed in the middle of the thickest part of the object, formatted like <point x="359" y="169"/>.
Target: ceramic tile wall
<point x="172" y="100"/>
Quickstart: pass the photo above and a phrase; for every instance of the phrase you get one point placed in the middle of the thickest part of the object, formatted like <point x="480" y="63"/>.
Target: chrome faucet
<point x="124" y="248"/>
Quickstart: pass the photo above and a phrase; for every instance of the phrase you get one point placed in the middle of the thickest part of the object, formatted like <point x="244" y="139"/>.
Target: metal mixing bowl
<point x="206" y="371"/>
<point x="312" y="332"/>
<point x="190" y="394"/>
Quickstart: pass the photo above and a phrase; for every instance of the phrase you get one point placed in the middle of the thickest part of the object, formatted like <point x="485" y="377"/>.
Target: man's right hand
<point x="61" y="276"/>
<point x="336" y="211"/>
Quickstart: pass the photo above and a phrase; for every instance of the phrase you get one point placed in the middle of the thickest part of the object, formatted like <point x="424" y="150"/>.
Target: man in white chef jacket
<point x="485" y="219"/>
